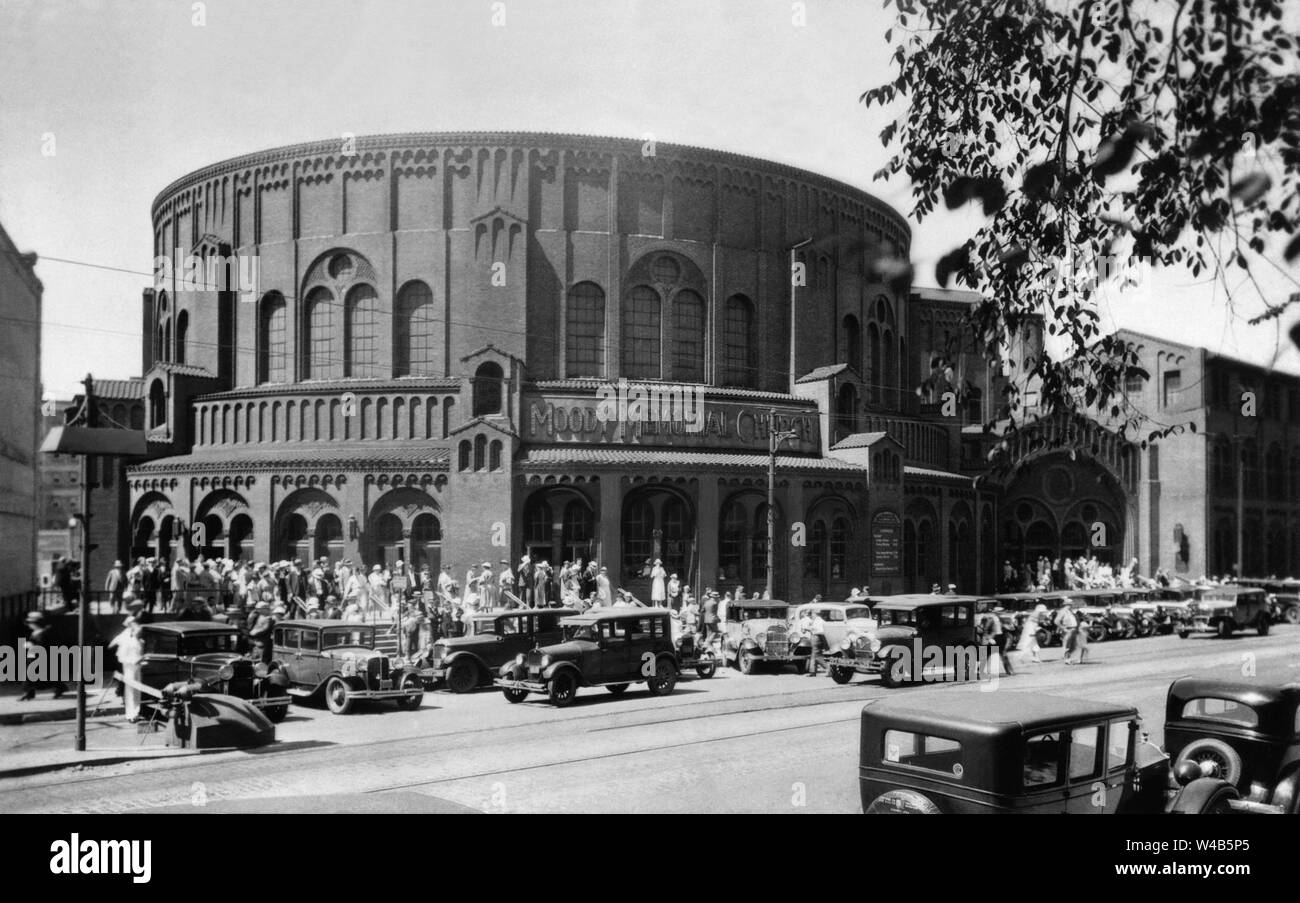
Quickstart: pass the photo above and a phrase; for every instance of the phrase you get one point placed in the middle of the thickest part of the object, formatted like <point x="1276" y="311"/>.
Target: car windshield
<point x="751" y="614"/>
<point x="858" y="613"/>
<point x="582" y="632"/>
<point x="898" y="616"/>
<point x="353" y="636"/>
<point x="210" y="642"/>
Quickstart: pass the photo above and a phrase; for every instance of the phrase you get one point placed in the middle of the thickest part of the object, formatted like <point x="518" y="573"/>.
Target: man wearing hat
<point x="506" y="584"/>
<point x="260" y="625"/>
<point x="115" y="585"/>
<point x="1068" y="621"/>
<point x="489" y="590"/>
<point x="41" y="634"/>
<point x="524" y="580"/>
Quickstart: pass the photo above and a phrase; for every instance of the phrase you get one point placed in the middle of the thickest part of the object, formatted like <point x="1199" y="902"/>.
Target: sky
<point x="102" y="104"/>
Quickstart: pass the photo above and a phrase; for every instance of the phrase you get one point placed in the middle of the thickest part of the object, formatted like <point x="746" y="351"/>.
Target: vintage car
<point x="1226" y="609"/>
<point x="608" y="647"/>
<point x="1010" y="752"/>
<point x="1015" y="611"/>
<point x="919" y="638"/>
<point x="495" y="638"/>
<point x="338" y="661"/>
<point x="844" y="621"/>
<point x="693" y="652"/>
<point x="1283" y="597"/>
<point x="203" y="653"/>
<point x="1247" y="734"/>
<point x="759" y="632"/>
<point x="1104" y="610"/>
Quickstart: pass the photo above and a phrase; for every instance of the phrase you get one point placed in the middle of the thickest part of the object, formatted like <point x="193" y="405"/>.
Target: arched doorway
<point x="658" y="522"/>
<point x="742" y="546"/>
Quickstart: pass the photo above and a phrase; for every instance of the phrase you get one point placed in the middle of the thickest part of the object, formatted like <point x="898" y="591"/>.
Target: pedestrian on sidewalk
<point x="1069" y="622"/>
<point x="1029" y="633"/>
<point x="128" y="646"/>
<point x="115" y="585"/>
<point x="42" y="634"/>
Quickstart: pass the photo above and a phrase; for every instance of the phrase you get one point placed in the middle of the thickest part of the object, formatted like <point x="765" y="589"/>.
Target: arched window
<point x="167" y="340"/>
<point x="732" y="540"/>
<point x="463" y="460"/>
<point x="814" y="555"/>
<point x="1250" y="463"/>
<point x="853" y="343"/>
<point x="890" y="386"/>
<point x="494" y="455"/>
<point x="272" y="344"/>
<point x="182" y="334"/>
<point x="480" y="452"/>
<point x="487" y="389"/>
<point x="688" y="337"/>
<point x="416" y="336"/>
<point x="577" y="525"/>
<point x="537" y="521"/>
<point x="362" y="333"/>
<point x="841" y="537"/>
<point x="319" y="353"/>
<point x="639" y="353"/>
<point x="873" y="340"/>
<point x="638" y="538"/>
<point x="739" y="344"/>
<point x="584" y="342"/>
<point x="157" y="404"/>
<point x="846" y="410"/>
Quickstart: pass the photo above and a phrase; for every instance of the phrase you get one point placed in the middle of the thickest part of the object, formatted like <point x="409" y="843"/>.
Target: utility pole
<point x="775" y="439"/>
<point x="87" y="417"/>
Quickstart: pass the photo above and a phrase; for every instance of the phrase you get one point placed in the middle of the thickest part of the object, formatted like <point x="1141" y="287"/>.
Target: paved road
<point x="766" y="743"/>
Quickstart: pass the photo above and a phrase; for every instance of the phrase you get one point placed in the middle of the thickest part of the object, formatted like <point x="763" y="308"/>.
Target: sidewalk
<point x="46" y="708"/>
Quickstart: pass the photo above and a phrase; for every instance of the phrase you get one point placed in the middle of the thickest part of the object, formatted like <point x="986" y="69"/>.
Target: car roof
<point x="922" y="600"/>
<point x="1232" y="590"/>
<point x="856" y="603"/>
<point x="976" y="712"/>
<point x="499" y="612"/>
<point x="615" y="613"/>
<point x="189" y="627"/>
<point x="760" y="603"/>
<point x="1251" y="694"/>
<point x="321" y="624"/>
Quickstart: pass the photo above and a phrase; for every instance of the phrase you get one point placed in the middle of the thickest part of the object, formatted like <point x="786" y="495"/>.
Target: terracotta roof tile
<point x="379" y="457"/>
<point x="559" y="457"/>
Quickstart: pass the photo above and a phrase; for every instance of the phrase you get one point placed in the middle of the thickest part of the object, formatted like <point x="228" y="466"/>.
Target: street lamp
<point x="775" y="438"/>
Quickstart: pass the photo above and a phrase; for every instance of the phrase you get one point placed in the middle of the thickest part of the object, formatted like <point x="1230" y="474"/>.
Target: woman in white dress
<point x="1029" y="636"/>
<point x="658" y="589"/>
<point x="129" y="649"/>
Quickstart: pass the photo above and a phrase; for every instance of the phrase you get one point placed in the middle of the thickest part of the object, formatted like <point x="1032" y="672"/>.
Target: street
<point x="766" y="743"/>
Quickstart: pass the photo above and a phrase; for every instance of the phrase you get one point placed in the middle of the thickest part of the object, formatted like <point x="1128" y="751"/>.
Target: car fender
<point x="747" y="643"/>
<point x="470" y="657"/>
<point x="277" y="678"/>
<point x="551" y="670"/>
<point x="354" y="683"/>
<point x="1197" y="794"/>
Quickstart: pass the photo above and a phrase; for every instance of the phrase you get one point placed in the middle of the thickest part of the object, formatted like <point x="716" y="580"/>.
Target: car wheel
<point x="1292" y="615"/>
<point x="1225" y="628"/>
<point x="563" y="689"/>
<point x="337" y="697"/>
<point x="1225" y="760"/>
<point x="841" y="675"/>
<point x="747" y="662"/>
<point x="1044" y="637"/>
<point x="1184" y="634"/>
<point x="462" y="677"/>
<point x="1262" y="625"/>
<point x="662" y="682"/>
<point x="276" y="713"/>
<point x="1098" y="633"/>
<point x="707" y="669"/>
<point x="888" y="677"/>
<point x="410" y="682"/>
<point x="515" y="695"/>
<point x="1205" y="796"/>
<point x="902" y="802"/>
<point x="1127" y="629"/>
<point x="617" y="689"/>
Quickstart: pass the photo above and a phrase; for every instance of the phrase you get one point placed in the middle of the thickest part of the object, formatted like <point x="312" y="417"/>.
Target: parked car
<point x="1283" y="597"/>
<point x="608" y="647"/>
<point x="758" y="632"/>
<point x="842" y="619"/>
<point x="338" y="661"/>
<point x="495" y="638"/>
<point x="1105" y="613"/>
<point x="1246" y="734"/>
<point x="692" y="652"/>
<point x="1016" y="608"/>
<point x="942" y="631"/>
<point x="1225" y="610"/>
<point x="204" y="653"/>
<point x="1026" y="753"/>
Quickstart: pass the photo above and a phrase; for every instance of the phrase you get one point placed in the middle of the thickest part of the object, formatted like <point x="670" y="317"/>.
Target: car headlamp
<point x="546" y="661"/>
<point x="226" y="672"/>
<point x="519" y="659"/>
<point x="261" y="670"/>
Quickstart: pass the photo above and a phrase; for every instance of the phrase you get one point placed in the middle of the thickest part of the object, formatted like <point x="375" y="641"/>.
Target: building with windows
<point x="20" y="404"/>
<point x="465" y="347"/>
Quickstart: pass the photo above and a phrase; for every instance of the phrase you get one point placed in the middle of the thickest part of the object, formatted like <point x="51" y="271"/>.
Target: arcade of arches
<point x="1062" y="508"/>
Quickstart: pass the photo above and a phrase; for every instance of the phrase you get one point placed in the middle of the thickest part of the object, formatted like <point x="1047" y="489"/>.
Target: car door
<point x="289" y="654"/>
<point x="617" y="663"/>
<point x="1087" y="790"/>
<point x="1043" y="773"/>
<point x="160" y="663"/>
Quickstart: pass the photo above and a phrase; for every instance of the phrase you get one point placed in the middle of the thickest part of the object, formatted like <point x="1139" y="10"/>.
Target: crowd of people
<point x="1046" y="575"/>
